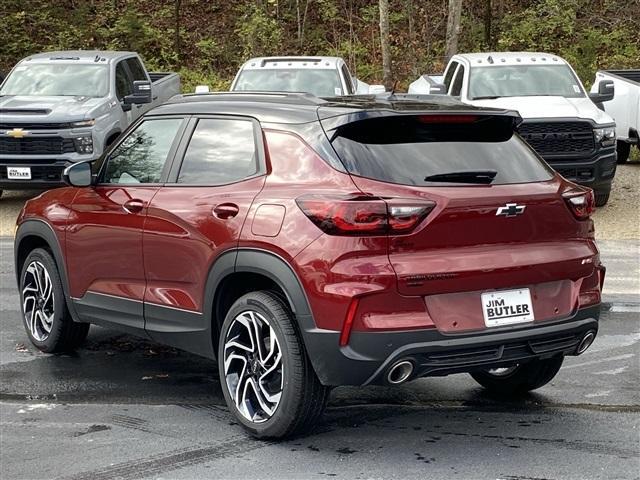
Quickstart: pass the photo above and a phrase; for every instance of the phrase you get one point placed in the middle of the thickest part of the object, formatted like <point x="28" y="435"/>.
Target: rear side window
<point x="142" y="155"/>
<point x="220" y="151"/>
<point x="408" y="149"/>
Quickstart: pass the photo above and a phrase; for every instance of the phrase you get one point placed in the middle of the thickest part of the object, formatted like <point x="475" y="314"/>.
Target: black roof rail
<point x="296" y="98"/>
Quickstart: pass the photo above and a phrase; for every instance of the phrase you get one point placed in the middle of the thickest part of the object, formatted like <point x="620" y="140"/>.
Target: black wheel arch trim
<point x="35" y="227"/>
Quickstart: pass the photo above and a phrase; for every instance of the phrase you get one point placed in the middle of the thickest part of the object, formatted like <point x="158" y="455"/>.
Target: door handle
<point x="133" y="206"/>
<point x="226" y="210"/>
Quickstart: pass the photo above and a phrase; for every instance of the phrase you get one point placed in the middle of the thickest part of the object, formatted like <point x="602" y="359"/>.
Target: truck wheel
<point x="602" y="198"/>
<point x="623" y="149"/>
<point x="46" y="318"/>
<point x="519" y="379"/>
<point x="267" y="379"/>
<point x="1" y="192"/>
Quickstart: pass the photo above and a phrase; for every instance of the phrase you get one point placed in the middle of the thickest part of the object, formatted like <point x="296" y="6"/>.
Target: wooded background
<point x="206" y="41"/>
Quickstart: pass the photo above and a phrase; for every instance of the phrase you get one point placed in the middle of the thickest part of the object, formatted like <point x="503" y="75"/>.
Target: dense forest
<point x="206" y="41"/>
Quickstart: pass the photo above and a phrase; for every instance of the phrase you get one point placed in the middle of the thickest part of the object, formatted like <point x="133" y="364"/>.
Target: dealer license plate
<point x="507" y="307"/>
<point x="19" y="173"/>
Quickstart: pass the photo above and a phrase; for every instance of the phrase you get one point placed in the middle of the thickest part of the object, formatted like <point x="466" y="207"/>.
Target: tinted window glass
<point x="140" y="158"/>
<point x="136" y="68"/>
<point x="457" y="83"/>
<point x="124" y="86"/>
<point x="320" y="82"/>
<point x="219" y="152"/>
<point x="449" y="74"/>
<point x="406" y="150"/>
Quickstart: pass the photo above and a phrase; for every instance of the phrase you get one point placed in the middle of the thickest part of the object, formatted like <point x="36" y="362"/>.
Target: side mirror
<point x="437" y="89"/>
<point x="376" y="89"/>
<point x="141" y="93"/>
<point x="606" y="92"/>
<point x="78" y="175"/>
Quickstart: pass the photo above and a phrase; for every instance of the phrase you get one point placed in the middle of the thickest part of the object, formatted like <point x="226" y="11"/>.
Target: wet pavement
<point x="123" y="407"/>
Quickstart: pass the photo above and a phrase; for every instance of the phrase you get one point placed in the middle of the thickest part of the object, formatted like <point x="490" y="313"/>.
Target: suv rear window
<point x="408" y="149"/>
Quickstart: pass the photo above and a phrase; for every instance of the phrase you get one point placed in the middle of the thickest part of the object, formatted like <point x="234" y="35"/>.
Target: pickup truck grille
<point x="558" y="138"/>
<point x="36" y="146"/>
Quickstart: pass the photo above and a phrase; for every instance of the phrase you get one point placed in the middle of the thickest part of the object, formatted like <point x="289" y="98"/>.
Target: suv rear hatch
<point x="500" y="219"/>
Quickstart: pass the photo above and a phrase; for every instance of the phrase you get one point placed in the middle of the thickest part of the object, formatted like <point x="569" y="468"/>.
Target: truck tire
<point x="602" y="198"/>
<point x="519" y="379"/>
<point x="623" y="149"/>
<point x="267" y="379"/>
<point x="44" y="308"/>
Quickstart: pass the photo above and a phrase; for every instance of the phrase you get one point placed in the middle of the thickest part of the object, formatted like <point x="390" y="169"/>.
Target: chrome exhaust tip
<point x="400" y="372"/>
<point x="586" y="341"/>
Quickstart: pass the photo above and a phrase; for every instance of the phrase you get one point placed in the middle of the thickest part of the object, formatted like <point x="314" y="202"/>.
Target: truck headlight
<point x="83" y="123"/>
<point x="84" y="144"/>
<point x="605" y="136"/>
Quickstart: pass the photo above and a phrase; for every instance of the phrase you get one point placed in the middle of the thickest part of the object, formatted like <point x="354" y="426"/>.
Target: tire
<point x="623" y="149"/>
<point x="522" y="378"/>
<point x="302" y="397"/>
<point x="47" y="320"/>
<point x="602" y="198"/>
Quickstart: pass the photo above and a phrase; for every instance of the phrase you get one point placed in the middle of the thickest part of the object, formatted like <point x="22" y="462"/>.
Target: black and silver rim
<point x="38" y="303"/>
<point x="253" y="366"/>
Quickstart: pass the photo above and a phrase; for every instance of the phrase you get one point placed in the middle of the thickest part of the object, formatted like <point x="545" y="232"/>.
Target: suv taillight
<point x="363" y="215"/>
<point x="580" y="202"/>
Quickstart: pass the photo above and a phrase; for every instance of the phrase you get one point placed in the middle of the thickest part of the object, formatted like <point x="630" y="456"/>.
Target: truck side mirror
<point x="437" y="89"/>
<point x="606" y="92"/>
<point x="78" y="175"/>
<point x="141" y="93"/>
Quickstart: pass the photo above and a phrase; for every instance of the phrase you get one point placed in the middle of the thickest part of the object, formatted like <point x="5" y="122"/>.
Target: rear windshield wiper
<point x="469" y="176"/>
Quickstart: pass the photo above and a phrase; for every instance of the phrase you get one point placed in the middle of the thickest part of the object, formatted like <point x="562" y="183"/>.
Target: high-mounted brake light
<point x="580" y="202"/>
<point x="447" y="118"/>
<point x="363" y="215"/>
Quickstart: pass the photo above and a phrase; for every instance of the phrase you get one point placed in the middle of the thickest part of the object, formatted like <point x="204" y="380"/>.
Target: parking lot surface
<point x="122" y="407"/>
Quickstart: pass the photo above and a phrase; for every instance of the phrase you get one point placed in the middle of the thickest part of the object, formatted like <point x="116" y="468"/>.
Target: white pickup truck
<point x="321" y="76"/>
<point x="560" y="119"/>
<point x="624" y="108"/>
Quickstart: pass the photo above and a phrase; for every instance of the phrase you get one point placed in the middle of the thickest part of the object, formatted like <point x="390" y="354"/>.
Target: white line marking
<point x="595" y="362"/>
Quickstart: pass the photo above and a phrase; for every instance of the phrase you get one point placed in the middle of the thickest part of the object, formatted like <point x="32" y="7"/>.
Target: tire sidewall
<point x="42" y="256"/>
<point x="286" y="409"/>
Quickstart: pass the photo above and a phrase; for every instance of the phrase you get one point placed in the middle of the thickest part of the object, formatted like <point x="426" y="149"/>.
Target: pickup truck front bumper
<point x="595" y="171"/>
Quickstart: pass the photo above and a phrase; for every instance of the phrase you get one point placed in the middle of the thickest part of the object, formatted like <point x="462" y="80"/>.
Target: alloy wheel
<point x="38" y="303"/>
<point x="253" y="366"/>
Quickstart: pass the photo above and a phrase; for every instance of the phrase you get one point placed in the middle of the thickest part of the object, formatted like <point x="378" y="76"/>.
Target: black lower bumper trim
<point x="369" y="355"/>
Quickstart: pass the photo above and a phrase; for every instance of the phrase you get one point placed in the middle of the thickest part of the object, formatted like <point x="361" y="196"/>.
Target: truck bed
<point x="629" y="75"/>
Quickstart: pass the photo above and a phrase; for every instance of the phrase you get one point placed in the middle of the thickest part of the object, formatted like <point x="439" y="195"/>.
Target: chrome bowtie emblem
<point x="510" y="210"/>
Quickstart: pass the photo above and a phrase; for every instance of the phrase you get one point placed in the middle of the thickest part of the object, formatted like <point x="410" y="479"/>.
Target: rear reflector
<point x="580" y="202"/>
<point x="348" y="322"/>
<point x="363" y="215"/>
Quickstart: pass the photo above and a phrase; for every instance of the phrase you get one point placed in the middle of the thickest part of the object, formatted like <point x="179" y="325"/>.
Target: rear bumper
<point x="368" y="357"/>
<point x="595" y="171"/>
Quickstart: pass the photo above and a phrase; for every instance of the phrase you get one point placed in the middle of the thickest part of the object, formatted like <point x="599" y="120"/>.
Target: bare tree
<point x="177" y="45"/>
<point x="387" y="78"/>
<point x="453" y="28"/>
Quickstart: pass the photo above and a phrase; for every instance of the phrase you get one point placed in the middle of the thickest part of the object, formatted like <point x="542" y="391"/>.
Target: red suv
<point x="308" y="243"/>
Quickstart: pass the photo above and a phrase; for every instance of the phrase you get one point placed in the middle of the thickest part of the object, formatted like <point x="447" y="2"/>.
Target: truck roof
<point x="488" y="59"/>
<point x="78" y="56"/>
<point x="311" y="62"/>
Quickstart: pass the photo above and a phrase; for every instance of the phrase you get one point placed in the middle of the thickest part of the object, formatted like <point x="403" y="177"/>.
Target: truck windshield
<point x="57" y="80"/>
<point x="523" y="81"/>
<point x="320" y="82"/>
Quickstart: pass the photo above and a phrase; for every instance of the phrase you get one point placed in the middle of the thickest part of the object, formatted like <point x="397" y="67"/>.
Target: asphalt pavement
<point x="126" y="408"/>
